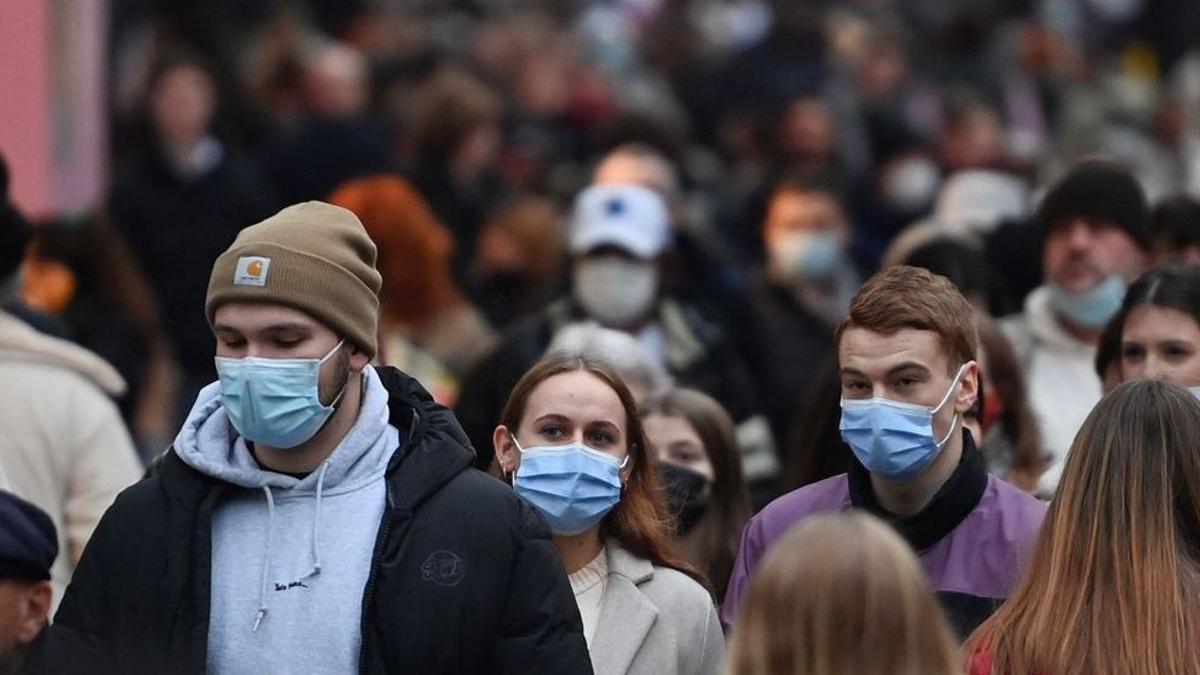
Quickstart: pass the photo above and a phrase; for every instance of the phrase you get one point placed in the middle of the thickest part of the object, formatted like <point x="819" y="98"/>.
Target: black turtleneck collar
<point x="957" y="497"/>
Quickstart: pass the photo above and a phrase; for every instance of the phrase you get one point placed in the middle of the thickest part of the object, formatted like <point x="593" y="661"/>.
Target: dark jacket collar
<point x="957" y="498"/>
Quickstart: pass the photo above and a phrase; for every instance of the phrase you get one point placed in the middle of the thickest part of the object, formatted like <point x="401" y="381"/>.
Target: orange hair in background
<point x="414" y="247"/>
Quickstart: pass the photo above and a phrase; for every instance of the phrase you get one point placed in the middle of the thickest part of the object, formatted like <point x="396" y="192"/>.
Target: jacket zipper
<point x="385" y="531"/>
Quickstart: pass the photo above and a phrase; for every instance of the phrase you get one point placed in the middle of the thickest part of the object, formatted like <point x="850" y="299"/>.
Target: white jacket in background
<point x="63" y="445"/>
<point x="1060" y="373"/>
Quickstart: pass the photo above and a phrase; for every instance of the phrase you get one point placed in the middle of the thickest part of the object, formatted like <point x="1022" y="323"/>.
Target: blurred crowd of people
<point x="759" y="262"/>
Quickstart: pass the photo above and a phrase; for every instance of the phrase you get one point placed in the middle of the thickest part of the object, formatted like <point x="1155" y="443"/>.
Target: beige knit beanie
<point x="314" y="257"/>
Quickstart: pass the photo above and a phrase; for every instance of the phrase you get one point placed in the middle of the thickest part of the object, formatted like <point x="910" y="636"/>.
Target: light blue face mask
<point x="809" y="256"/>
<point x="1092" y="308"/>
<point x="573" y="486"/>
<point x="894" y="440"/>
<point x="275" y="402"/>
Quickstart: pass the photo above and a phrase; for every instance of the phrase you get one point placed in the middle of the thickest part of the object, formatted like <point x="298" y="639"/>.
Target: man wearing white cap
<point x="618" y="237"/>
<point x="617" y="234"/>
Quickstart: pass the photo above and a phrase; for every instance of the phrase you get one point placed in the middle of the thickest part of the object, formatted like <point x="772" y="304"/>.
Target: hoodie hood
<point x="1044" y="324"/>
<point x="209" y="443"/>
<point x="21" y="342"/>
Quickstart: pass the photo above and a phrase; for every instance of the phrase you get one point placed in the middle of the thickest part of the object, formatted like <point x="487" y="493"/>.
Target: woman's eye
<point x="686" y="457"/>
<point x="600" y="437"/>
<point x="552" y="432"/>
<point x="1132" y="353"/>
<point x="906" y="382"/>
<point x="1178" y="353"/>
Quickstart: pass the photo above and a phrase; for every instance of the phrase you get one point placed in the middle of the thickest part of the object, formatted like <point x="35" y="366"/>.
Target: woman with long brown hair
<point x="1112" y="586"/>
<point x="842" y="594"/>
<point x="695" y="445"/>
<point x="572" y="443"/>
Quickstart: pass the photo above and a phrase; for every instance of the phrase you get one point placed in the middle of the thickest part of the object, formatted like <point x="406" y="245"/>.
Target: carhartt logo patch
<point x="251" y="271"/>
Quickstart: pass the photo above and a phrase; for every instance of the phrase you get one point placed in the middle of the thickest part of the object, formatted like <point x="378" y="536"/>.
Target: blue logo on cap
<point x="615" y="207"/>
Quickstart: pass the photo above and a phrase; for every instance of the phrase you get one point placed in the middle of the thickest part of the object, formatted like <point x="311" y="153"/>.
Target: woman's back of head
<point x="1112" y="585"/>
<point x="842" y="594"/>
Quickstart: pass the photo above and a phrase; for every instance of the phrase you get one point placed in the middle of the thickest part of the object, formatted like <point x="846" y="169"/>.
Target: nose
<point x="1079" y="235"/>
<point x="1155" y="369"/>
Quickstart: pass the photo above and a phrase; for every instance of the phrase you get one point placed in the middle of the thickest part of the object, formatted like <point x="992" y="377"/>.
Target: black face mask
<point x="687" y="495"/>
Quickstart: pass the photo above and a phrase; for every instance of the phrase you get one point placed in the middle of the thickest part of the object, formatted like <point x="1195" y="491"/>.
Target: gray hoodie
<point x="290" y="556"/>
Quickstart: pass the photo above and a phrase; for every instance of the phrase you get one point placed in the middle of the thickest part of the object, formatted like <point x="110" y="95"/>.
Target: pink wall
<point x="52" y="110"/>
<point x="25" y="102"/>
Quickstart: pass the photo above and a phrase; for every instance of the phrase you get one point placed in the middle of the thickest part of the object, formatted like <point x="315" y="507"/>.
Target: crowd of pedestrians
<point x="725" y="336"/>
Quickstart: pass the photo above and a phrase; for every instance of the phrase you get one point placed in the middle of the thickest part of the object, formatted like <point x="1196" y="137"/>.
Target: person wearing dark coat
<point x="315" y="513"/>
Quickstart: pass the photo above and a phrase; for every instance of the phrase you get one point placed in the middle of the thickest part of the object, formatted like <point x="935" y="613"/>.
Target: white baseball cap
<point x="630" y="217"/>
<point x="978" y="200"/>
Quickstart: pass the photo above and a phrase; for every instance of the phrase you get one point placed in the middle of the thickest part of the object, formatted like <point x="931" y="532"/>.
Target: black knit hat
<point x="14" y="229"/>
<point x="1100" y="189"/>
<point x="28" y="541"/>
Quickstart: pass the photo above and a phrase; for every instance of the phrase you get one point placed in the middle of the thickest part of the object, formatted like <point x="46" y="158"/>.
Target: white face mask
<point x="912" y="184"/>
<point x="615" y="290"/>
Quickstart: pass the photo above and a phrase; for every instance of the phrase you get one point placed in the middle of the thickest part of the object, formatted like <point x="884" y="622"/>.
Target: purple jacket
<point x="973" y="539"/>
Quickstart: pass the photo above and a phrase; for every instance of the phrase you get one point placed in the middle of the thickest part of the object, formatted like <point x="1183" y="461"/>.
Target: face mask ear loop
<point x="331" y="352"/>
<point x="954" y="420"/>
<point x="957" y="377"/>
<point x="953" y="423"/>
<point x="342" y="392"/>
<point x="521" y="450"/>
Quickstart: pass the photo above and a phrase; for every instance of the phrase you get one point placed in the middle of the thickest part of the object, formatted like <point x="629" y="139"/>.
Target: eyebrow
<point x="604" y="423"/>
<point x="852" y="372"/>
<point x="908" y="365"/>
<point x="287" y="327"/>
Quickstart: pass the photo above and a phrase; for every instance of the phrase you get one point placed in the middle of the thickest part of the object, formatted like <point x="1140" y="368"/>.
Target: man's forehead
<point x="248" y="316"/>
<point x="872" y="351"/>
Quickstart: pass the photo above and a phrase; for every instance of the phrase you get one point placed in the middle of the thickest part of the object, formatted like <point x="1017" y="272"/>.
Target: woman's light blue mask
<point x="894" y="440"/>
<point x="1092" y="308"/>
<point x="573" y="486"/>
<point x="275" y="402"/>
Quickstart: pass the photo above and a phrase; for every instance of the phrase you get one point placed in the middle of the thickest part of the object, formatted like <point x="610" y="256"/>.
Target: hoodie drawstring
<point x="316" y="547"/>
<point x="266" y="568"/>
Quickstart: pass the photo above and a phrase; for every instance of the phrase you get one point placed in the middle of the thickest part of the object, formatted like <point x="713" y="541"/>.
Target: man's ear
<point x="968" y="389"/>
<point x="34" y="611"/>
<point x="358" y="358"/>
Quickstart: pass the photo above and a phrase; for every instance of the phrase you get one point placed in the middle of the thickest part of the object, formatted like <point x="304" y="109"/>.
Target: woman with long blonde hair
<point x="1112" y="586"/>
<point x="842" y="594"/>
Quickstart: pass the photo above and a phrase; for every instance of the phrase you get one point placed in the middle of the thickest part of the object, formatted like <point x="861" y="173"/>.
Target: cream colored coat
<point x="654" y="621"/>
<point x="63" y="445"/>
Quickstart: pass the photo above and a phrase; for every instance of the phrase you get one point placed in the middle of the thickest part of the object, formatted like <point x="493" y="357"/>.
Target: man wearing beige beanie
<point x="316" y="513"/>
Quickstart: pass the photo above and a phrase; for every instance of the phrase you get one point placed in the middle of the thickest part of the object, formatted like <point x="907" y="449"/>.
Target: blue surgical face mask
<point x="275" y="402"/>
<point x="1091" y="308"/>
<point x="894" y="440"/>
<point x="573" y="486"/>
<point x="807" y="255"/>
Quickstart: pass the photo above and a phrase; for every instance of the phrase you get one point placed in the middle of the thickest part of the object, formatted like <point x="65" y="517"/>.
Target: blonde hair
<point x="842" y="594"/>
<point x="1112" y="586"/>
